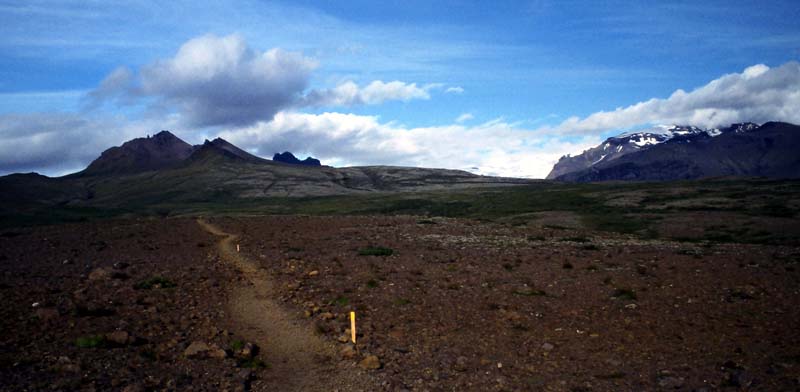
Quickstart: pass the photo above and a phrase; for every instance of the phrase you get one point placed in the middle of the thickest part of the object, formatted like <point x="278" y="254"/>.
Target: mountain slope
<point x="163" y="170"/>
<point x="160" y="151"/>
<point x="769" y="150"/>
<point x="287" y="157"/>
<point x="626" y="143"/>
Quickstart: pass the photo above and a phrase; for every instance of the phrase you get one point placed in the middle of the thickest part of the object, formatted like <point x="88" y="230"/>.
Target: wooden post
<point x="353" y="327"/>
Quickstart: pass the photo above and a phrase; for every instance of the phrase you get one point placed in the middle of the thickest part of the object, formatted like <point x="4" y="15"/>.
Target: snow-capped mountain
<point x="625" y="143"/>
<point x="681" y="152"/>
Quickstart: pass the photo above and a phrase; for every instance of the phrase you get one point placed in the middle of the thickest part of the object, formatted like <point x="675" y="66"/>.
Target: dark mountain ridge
<point x="164" y="170"/>
<point x="219" y="147"/>
<point x="745" y="150"/>
<point x="159" y="151"/>
<point x="288" y="157"/>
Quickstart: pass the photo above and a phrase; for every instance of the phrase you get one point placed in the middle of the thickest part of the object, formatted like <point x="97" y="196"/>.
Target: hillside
<point x="163" y="169"/>
<point x="741" y="150"/>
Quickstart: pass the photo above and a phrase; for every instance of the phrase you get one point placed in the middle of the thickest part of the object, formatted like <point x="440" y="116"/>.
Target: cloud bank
<point x="377" y="92"/>
<point x="757" y="94"/>
<point x="492" y="148"/>
<point x="220" y="86"/>
<point x="221" y="81"/>
<point x="55" y="143"/>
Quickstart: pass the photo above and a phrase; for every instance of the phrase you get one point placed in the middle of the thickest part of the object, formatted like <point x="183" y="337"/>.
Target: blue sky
<point x="529" y="80"/>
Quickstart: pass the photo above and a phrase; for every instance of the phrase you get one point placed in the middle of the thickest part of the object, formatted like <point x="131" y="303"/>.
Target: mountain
<point x="287" y="157"/>
<point x="160" y="151"/>
<point x="221" y="148"/>
<point x="746" y="149"/>
<point x="163" y="170"/>
<point x="623" y="144"/>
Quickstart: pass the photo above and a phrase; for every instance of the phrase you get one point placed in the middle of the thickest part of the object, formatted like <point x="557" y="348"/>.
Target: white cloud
<point x="56" y="144"/>
<point x="52" y="142"/>
<point x="492" y="148"/>
<point x="114" y="86"/>
<point x="757" y="94"/>
<point x="464" y="117"/>
<point x="377" y="92"/>
<point x="221" y="81"/>
<point x="454" y="90"/>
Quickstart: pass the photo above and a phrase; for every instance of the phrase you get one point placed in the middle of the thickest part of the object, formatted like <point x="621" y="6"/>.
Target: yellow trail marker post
<point x="353" y="326"/>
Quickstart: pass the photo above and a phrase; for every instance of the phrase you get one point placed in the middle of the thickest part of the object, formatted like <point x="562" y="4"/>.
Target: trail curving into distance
<point x="299" y="360"/>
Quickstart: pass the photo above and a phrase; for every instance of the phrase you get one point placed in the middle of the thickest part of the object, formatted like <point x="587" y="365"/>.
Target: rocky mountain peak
<point x="288" y="157"/>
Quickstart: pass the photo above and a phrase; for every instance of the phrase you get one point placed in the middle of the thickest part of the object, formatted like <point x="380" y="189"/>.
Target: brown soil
<point x="465" y="305"/>
<point x="458" y="305"/>
<point x="300" y="360"/>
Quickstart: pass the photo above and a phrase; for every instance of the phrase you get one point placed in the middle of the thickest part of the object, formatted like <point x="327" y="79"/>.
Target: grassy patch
<point x="574" y="239"/>
<point x="375" y="251"/>
<point x="530" y="293"/>
<point x="93" y="341"/>
<point x="155" y="282"/>
<point x="372" y="283"/>
<point x="237" y="345"/>
<point x="624" y="294"/>
<point x="253" y="363"/>
<point x="610" y="376"/>
<point x="402" y="301"/>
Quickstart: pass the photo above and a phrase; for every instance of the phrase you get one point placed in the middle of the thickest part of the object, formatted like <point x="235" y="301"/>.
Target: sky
<point x="497" y="88"/>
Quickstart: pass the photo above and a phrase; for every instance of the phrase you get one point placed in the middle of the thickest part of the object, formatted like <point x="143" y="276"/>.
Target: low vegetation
<point x="92" y="341"/>
<point x="155" y="282"/>
<point x="375" y="251"/>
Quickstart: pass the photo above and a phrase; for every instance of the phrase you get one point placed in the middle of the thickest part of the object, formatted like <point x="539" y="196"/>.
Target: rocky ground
<point x="125" y="305"/>
<point x="442" y="304"/>
<point x="468" y="305"/>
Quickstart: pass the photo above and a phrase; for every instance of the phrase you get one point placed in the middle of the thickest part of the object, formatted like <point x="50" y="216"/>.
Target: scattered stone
<point x="248" y="351"/>
<point x="217" y="353"/>
<point x="631" y="306"/>
<point x="371" y="362"/>
<point x="121" y="265"/>
<point x="327" y="316"/>
<point x="313" y="273"/>
<point x="120" y="338"/>
<point x="548" y="347"/>
<point x="197" y="350"/>
<point x="348" y="352"/>
<point x="344" y="339"/>
<point x="670" y="382"/>
<point x="47" y="314"/>
<point x="99" y="274"/>
<point x="461" y="363"/>
<point x="134" y="388"/>
<point x="65" y="364"/>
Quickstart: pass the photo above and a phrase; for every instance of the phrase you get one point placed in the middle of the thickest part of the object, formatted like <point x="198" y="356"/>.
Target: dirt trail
<point x="299" y="360"/>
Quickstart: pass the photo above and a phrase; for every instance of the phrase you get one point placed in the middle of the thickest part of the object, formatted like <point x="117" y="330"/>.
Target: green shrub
<point x="155" y="282"/>
<point x="375" y="251"/>
<point x="253" y="363"/>
<point x="624" y="294"/>
<point x="530" y="293"/>
<point x="92" y="341"/>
